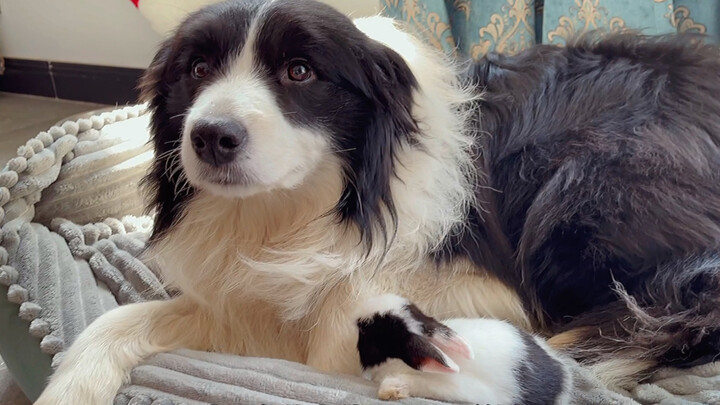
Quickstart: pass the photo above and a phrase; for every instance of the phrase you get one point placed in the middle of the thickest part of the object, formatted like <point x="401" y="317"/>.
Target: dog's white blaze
<point x="278" y="155"/>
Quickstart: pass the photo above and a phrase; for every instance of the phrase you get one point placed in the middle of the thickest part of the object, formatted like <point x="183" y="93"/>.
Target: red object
<point x="135" y="2"/>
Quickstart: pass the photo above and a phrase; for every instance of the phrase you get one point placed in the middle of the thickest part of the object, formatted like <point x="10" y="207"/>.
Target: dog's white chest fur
<point x="269" y="284"/>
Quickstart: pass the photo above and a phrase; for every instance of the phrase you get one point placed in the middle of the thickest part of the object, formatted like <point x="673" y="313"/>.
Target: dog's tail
<point x="671" y="319"/>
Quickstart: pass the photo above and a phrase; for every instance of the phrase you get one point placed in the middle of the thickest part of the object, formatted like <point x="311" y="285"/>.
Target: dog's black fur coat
<point x="602" y="199"/>
<point x="599" y="193"/>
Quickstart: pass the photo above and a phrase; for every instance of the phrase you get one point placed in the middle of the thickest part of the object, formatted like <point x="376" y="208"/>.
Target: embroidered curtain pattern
<point x="476" y="27"/>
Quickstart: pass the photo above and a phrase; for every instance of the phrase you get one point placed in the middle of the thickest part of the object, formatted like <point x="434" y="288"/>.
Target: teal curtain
<point x="476" y="27"/>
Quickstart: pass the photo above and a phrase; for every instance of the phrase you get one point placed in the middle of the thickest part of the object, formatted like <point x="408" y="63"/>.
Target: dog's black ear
<point x="154" y="88"/>
<point x="152" y="81"/>
<point x="164" y="183"/>
<point x="388" y="84"/>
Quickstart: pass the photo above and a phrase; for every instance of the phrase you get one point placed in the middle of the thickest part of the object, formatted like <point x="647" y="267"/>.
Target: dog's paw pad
<point x="393" y="388"/>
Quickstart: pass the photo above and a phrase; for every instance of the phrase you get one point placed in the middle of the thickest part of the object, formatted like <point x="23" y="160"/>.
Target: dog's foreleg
<point x="332" y="346"/>
<point x="99" y="362"/>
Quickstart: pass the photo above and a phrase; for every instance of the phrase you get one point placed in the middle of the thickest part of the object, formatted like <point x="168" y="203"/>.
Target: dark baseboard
<point x="70" y="81"/>
<point x="27" y="77"/>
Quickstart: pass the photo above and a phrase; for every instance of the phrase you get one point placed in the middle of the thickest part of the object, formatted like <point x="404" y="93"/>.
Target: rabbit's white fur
<point x="503" y="365"/>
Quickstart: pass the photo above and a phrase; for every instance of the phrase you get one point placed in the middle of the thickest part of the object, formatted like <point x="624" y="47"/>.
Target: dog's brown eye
<point x="299" y="71"/>
<point x="200" y="69"/>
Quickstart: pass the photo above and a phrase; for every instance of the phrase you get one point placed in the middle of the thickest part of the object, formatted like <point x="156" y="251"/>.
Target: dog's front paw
<point x="393" y="388"/>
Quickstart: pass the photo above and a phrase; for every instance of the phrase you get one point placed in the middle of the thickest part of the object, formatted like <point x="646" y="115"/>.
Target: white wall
<point x="96" y="32"/>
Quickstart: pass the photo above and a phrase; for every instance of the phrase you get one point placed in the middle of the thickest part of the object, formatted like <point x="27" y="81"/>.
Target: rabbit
<point x="480" y="361"/>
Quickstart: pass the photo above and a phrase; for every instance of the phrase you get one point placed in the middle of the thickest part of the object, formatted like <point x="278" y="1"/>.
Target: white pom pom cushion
<point x="72" y="229"/>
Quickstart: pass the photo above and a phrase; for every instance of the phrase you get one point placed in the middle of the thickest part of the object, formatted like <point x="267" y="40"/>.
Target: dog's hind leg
<point x="670" y="319"/>
<point x="99" y="362"/>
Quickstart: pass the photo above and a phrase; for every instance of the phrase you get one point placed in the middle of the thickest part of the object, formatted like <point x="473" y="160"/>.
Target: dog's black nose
<point x="218" y="142"/>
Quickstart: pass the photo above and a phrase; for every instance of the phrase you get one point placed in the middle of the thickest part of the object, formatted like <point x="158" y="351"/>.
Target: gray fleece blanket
<point x="63" y="275"/>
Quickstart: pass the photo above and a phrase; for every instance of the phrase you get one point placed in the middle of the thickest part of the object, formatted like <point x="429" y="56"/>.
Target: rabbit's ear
<point x="452" y="343"/>
<point x="440" y="334"/>
<point x="425" y="356"/>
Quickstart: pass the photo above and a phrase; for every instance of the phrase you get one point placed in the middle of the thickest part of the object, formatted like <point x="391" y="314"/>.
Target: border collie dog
<point x="306" y="162"/>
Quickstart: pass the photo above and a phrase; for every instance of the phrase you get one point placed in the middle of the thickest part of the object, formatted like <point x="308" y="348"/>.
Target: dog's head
<point x="252" y="97"/>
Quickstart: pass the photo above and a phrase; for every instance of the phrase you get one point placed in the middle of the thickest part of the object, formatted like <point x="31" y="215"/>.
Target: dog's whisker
<point x="343" y="150"/>
<point x="179" y="115"/>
